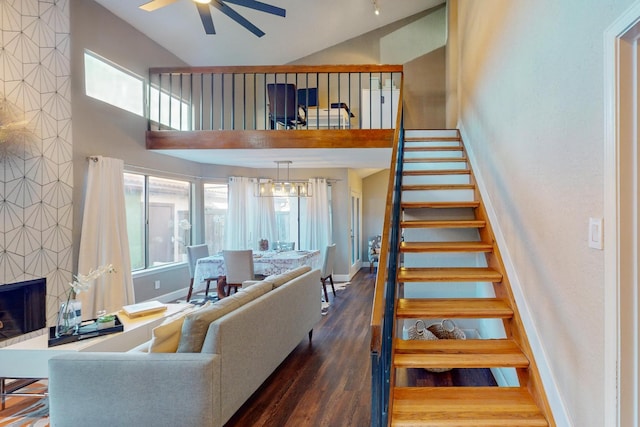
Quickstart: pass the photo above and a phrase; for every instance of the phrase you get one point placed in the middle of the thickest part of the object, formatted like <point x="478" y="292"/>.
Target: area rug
<point x="327" y="304"/>
<point x="26" y="411"/>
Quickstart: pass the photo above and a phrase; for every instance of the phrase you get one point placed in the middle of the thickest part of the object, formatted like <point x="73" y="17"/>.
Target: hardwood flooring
<point x="328" y="383"/>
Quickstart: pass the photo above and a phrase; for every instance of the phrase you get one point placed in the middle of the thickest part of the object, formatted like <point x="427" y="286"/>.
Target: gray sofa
<point x="240" y="350"/>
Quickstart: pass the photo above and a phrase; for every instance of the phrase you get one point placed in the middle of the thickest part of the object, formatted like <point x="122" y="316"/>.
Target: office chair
<point x="283" y="108"/>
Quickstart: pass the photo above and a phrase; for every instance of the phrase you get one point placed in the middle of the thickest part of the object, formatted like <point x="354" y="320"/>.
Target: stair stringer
<point x="541" y="374"/>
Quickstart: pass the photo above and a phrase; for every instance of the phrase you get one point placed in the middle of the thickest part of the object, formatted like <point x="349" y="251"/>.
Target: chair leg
<point x="370" y="267"/>
<point x="206" y="291"/>
<point x="221" y="283"/>
<point x="324" y="288"/>
<point x="190" y="290"/>
<point x="332" y="287"/>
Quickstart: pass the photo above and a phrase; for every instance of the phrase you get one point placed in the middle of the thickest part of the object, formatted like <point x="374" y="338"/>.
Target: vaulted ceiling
<point x="309" y="26"/>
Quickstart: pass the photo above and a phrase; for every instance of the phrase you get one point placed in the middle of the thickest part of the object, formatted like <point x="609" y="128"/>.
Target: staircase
<point x="451" y="269"/>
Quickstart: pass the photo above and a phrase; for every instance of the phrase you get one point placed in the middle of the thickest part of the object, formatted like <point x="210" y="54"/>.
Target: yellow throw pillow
<point x="166" y="336"/>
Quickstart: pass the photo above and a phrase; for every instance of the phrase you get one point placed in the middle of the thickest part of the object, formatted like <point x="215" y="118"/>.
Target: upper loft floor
<point x="331" y="106"/>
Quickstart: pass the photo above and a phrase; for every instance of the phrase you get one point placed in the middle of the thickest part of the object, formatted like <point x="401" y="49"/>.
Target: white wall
<point x="530" y="94"/>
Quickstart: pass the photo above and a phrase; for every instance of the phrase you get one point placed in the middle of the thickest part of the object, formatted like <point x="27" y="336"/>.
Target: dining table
<point x="265" y="263"/>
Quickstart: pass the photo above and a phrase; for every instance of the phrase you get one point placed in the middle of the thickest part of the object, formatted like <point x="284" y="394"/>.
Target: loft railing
<point x="237" y="98"/>
<point x="382" y="316"/>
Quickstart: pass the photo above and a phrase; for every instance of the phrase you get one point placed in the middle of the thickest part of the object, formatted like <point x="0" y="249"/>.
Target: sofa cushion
<point x="196" y="324"/>
<point x="280" y="279"/>
<point x="166" y="336"/>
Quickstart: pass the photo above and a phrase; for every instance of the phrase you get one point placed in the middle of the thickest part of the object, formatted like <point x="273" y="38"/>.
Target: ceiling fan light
<point x="202" y="1"/>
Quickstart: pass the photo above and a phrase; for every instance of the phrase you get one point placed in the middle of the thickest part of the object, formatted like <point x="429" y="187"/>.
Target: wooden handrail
<point x="280" y="69"/>
<point x="379" y="302"/>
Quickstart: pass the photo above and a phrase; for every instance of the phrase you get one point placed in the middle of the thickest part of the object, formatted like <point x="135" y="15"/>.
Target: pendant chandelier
<point x="282" y="187"/>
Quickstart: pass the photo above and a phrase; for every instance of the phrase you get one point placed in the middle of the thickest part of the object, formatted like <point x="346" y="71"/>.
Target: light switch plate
<point x="595" y="233"/>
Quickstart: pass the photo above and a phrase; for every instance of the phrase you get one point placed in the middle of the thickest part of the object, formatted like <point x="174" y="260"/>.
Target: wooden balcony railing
<point x="238" y="98"/>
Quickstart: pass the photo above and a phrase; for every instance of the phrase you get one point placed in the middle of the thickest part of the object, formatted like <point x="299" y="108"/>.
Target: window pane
<point x="134" y="201"/>
<point x="162" y="105"/>
<point x="169" y="220"/>
<point x="112" y="85"/>
<point x="215" y="214"/>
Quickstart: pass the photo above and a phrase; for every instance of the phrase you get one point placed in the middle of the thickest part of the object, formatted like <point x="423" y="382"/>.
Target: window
<point x="113" y="85"/>
<point x="215" y="214"/>
<point x="117" y="86"/>
<point x="158" y="219"/>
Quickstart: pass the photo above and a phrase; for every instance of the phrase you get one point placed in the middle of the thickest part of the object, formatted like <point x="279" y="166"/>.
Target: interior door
<point x="356" y="232"/>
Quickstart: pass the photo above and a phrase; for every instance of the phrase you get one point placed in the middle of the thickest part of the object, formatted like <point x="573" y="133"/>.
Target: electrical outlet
<point x="157" y="284"/>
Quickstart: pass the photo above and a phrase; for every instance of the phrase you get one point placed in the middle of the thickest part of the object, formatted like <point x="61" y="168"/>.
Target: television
<point x="22" y="308"/>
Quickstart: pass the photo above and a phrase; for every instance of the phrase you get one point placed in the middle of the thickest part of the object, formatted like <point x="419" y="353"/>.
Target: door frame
<point x="621" y="208"/>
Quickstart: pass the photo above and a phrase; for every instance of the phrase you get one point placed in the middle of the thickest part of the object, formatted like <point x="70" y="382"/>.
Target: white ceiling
<point x="309" y="26"/>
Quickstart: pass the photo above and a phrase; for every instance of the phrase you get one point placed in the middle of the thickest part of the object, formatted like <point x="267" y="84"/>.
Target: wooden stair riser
<point x="443" y="224"/>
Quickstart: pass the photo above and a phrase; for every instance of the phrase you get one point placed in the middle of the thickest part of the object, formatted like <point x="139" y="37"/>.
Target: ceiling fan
<point x="222" y="6"/>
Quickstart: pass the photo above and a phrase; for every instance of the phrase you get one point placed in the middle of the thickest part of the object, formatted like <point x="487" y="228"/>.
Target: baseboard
<point x="171" y="296"/>
<point x="550" y="385"/>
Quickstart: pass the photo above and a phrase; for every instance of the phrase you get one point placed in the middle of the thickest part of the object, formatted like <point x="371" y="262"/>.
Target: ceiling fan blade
<point x="262" y="7"/>
<point x="237" y="17"/>
<point x="156" y="4"/>
<point x="205" y="17"/>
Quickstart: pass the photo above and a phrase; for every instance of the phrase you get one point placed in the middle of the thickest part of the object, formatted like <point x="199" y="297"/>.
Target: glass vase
<point x="68" y="318"/>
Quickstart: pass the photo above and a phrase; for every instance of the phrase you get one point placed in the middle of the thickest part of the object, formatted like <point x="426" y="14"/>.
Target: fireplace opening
<point x="22" y="308"/>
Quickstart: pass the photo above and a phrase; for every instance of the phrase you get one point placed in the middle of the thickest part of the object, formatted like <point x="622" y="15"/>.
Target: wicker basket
<point x="447" y="330"/>
<point x="419" y="331"/>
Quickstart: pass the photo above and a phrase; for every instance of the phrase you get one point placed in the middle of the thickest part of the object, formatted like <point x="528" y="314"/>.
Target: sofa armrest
<point x="109" y="389"/>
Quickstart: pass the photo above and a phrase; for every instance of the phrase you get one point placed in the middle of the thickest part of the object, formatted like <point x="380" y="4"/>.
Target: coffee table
<point x="28" y="361"/>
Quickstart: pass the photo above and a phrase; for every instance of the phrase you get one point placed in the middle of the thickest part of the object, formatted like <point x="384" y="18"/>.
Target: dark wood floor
<point x="328" y="383"/>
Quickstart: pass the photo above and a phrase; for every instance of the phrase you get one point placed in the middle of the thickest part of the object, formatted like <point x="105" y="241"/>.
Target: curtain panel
<point x="104" y="239"/>
<point x="249" y="218"/>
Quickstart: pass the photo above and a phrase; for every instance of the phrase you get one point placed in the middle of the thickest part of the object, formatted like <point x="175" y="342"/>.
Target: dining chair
<point x="327" y="270"/>
<point x="194" y="253"/>
<point x="374" y="251"/>
<point x="239" y="267"/>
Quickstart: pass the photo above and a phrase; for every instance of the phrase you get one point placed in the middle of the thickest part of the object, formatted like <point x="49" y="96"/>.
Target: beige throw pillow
<point x="196" y="324"/>
<point x="166" y="336"/>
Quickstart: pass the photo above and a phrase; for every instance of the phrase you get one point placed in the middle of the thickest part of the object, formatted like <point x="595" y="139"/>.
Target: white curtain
<point x="249" y="218"/>
<point x="104" y="238"/>
<point x="316" y="230"/>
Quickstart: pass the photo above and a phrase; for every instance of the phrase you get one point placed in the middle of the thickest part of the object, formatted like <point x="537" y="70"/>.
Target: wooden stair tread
<point x="445" y="247"/>
<point x="430" y="138"/>
<point x="440" y="205"/>
<point x="434" y="159"/>
<point x="437" y="172"/>
<point x="458" y="354"/>
<point x="460" y="308"/>
<point x="465" y="406"/>
<point x="449" y="274"/>
<point x="443" y="223"/>
<point x="430" y="187"/>
<point x="434" y="148"/>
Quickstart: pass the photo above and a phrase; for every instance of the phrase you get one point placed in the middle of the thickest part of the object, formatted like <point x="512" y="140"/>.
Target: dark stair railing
<point x="382" y="317"/>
